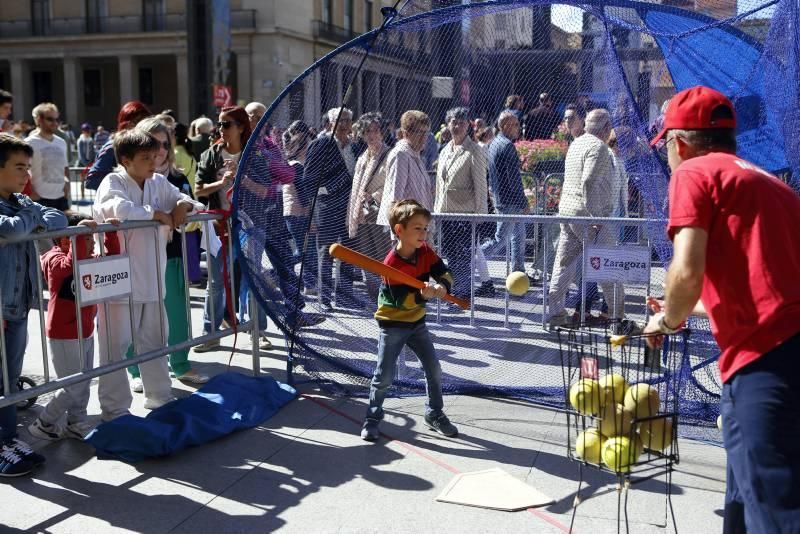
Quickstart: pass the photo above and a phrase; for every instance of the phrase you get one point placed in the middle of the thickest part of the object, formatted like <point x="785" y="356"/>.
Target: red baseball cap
<point x="691" y="109"/>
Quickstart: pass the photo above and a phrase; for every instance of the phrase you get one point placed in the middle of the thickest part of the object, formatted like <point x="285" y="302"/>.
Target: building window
<point x="367" y="15"/>
<point x="42" y="86"/>
<point x="327" y="10"/>
<point x="146" y="85"/>
<point x="154" y="15"/>
<point x="348" y="15"/>
<point x="40" y="17"/>
<point x="93" y="87"/>
<point x="96" y="12"/>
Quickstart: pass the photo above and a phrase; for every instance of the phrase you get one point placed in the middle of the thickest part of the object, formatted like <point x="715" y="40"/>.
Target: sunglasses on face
<point x="226" y="124"/>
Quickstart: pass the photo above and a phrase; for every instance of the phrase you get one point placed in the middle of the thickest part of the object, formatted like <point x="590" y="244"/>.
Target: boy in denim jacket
<point x="19" y="217"/>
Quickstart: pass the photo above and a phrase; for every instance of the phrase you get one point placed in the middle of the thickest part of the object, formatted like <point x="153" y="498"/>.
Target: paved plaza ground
<point x="307" y="470"/>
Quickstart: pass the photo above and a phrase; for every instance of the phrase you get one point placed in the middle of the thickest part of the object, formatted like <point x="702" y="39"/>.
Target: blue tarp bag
<point x="227" y="403"/>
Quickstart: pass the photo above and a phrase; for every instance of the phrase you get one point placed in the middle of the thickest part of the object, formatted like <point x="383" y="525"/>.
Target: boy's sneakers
<point x="193" y="377"/>
<point x="441" y="424"/>
<point x="40" y="430"/>
<point x="13" y="464"/>
<point x="25" y="452"/>
<point x="136" y="385"/>
<point x="78" y="430"/>
<point x="369" y="431"/>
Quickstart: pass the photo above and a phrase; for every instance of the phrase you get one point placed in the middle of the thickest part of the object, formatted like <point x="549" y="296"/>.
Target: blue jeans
<point x="297" y="227"/>
<point x="517" y="232"/>
<point x="761" y="428"/>
<point x="390" y="343"/>
<point x="16" y="332"/>
<point x="215" y="293"/>
<point x="245" y="296"/>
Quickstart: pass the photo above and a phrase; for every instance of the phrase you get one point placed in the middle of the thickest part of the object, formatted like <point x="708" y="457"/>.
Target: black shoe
<point x="26" y="452"/>
<point x="486" y="289"/>
<point x="12" y="464"/>
<point x="442" y="425"/>
<point x="369" y="430"/>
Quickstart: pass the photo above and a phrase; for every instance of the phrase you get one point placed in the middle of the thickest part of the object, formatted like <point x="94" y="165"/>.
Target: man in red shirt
<point x="733" y="227"/>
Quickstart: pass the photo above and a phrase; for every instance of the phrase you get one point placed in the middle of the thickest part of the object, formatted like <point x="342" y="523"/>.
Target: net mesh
<point x="300" y="189"/>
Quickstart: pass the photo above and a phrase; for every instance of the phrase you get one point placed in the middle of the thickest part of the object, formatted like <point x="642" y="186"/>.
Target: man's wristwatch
<point x="664" y="327"/>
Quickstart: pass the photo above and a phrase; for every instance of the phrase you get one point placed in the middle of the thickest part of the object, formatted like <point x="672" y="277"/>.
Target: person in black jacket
<point x="330" y="162"/>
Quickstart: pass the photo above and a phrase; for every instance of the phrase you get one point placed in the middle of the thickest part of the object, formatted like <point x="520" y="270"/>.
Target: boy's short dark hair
<point x="5" y="97"/>
<point x="73" y="219"/>
<point x="9" y="145"/>
<point x="128" y="143"/>
<point x="404" y="210"/>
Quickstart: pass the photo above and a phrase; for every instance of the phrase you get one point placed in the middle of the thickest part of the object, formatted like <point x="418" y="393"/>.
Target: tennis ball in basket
<point x="642" y="400"/>
<point x="615" y="420"/>
<point x="656" y="433"/>
<point x="612" y="389"/>
<point x="584" y="396"/>
<point x="589" y="444"/>
<point x="619" y="453"/>
<point x="517" y="283"/>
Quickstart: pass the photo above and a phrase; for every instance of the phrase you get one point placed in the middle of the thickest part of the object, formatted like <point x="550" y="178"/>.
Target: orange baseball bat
<point x="381" y="269"/>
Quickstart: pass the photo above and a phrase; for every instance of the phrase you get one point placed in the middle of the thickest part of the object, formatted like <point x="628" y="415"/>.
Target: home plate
<point x="494" y="489"/>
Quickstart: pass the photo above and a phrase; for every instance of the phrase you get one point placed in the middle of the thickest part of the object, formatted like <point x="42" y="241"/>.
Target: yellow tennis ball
<point x="615" y="420"/>
<point x="619" y="454"/>
<point x="584" y="396"/>
<point x="642" y="399"/>
<point x="517" y="283"/>
<point x="589" y="444"/>
<point x="656" y="433"/>
<point x="612" y="389"/>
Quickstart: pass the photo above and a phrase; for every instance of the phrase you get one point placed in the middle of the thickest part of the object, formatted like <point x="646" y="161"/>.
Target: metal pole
<point x="76" y="284"/>
<point x="507" y="300"/>
<point x="4" y="354"/>
<point x="161" y="273"/>
<point x="472" y="274"/>
<point x="211" y="270"/>
<point x="130" y="313"/>
<point x="45" y="360"/>
<point x="234" y="293"/>
<point x="545" y="283"/>
<point x="255" y="336"/>
<point x="187" y="297"/>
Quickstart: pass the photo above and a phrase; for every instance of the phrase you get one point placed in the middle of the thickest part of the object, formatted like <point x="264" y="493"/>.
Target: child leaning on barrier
<point x="19" y="217"/>
<point x="134" y="192"/>
<point x="401" y="317"/>
<point x="62" y="333"/>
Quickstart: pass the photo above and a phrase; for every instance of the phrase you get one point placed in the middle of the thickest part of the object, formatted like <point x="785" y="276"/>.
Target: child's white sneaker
<point x="136" y="385"/>
<point x="152" y="404"/>
<point x="78" y="430"/>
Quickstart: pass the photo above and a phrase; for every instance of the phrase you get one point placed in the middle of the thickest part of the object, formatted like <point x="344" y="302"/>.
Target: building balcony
<point x="329" y="32"/>
<point x="241" y="19"/>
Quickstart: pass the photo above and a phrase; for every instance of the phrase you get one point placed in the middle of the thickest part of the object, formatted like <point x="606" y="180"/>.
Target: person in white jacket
<point x="134" y="192"/>
<point x="406" y="175"/>
<point x="589" y="191"/>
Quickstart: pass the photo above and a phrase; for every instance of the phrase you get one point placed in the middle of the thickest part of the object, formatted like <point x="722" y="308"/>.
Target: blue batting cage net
<point x="301" y="188"/>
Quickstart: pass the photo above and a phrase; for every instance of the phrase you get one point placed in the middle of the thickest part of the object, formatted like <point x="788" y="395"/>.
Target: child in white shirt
<point x="135" y="192"/>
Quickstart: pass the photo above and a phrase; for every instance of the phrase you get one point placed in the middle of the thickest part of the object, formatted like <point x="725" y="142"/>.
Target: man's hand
<point x="113" y="221"/>
<point x="89" y="223"/>
<point x="66" y="187"/>
<point x="163" y="218"/>
<point x="180" y="212"/>
<point x="653" y="327"/>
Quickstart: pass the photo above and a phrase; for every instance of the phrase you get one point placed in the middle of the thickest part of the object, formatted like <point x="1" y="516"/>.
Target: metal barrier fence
<point x="88" y="373"/>
<point x="546" y="231"/>
<point x="78" y="194"/>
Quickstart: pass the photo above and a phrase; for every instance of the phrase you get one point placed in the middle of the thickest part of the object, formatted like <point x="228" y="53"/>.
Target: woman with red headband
<point x="129" y="115"/>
